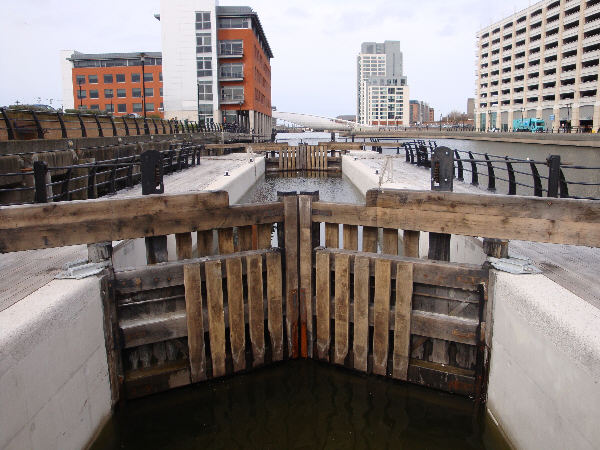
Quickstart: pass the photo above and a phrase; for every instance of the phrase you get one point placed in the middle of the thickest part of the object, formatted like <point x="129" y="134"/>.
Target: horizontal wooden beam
<point x="60" y="224"/>
<point x="551" y="220"/>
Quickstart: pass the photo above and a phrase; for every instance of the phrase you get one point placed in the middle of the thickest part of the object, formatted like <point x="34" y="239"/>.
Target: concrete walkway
<point x="23" y="273"/>
<point x="574" y="268"/>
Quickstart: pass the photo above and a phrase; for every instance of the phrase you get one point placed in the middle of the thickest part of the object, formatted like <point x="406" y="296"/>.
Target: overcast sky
<point x="315" y="43"/>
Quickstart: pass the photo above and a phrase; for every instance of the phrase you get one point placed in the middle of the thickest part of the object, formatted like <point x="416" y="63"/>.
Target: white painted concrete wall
<point x="544" y="385"/>
<point x="66" y="70"/>
<point x="54" y="385"/>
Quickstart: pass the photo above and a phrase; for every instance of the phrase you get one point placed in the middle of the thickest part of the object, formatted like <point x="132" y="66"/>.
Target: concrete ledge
<point x="544" y="386"/>
<point x="54" y="385"/>
<point x="239" y="180"/>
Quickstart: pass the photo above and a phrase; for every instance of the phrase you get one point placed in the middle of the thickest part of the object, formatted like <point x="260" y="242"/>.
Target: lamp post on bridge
<point x="143" y="60"/>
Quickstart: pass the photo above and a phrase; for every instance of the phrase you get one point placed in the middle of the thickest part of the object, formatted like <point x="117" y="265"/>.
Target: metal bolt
<point x="226" y="174"/>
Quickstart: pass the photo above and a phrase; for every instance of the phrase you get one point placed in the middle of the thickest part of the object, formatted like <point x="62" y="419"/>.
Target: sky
<point x="314" y="42"/>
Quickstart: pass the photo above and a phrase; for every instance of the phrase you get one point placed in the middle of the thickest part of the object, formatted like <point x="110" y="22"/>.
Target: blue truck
<point x="531" y="125"/>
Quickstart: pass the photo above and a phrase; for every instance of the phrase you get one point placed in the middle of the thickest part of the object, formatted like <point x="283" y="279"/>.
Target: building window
<point x="149" y="106"/>
<point x="108" y="78"/>
<point x="122" y="108"/>
<point x="159" y="76"/>
<point x="203" y="20"/>
<point x="80" y="79"/>
<point x="137" y="107"/>
<point x="120" y="78"/>
<point x="232" y="94"/>
<point x="203" y="43"/>
<point x="148" y="76"/>
<point x="121" y="93"/>
<point x="231" y="48"/>
<point x="205" y="90"/>
<point x="93" y="79"/>
<point x="205" y="112"/>
<point x="81" y="93"/>
<point x="234" y="22"/>
<point x="96" y="107"/>
<point x="204" y="66"/>
<point x="108" y="107"/>
<point x="135" y="77"/>
<point x="149" y="92"/>
<point x="161" y="94"/>
<point x="136" y="92"/>
<point x="108" y="93"/>
<point x="232" y="71"/>
<point x="94" y="93"/>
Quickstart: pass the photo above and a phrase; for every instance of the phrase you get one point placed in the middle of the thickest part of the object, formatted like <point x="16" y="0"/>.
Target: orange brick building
<point x="121" y="83"/>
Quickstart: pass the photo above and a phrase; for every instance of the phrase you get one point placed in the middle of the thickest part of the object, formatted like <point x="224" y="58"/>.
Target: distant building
<point x="470" y="108"/>
<point x="348" y="117"/>
<point x="421" y="112"/>
<point x="540" y="62"/>
<point x="121" y="83"/>
<point x="216" y="64"/>
<point x="382" y="90"/>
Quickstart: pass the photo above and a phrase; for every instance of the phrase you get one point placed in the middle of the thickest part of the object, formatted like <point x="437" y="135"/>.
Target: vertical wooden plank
<point x="342" y="307"/>
<point x="323" y="304"/>
<point x="361" y="313"/>
<point x="204" y="243"/>
<point x="306" y="246"/>
<point x="294" y="156"/>
<point x="404" y="292"/>
<point x="281" y="153"/>
<point x="195" y="326"/>
<point x="245" y="238"/>
<point x="274" y="304"/>
<point x="411" y="243"/>
<point x="183" y="244"/>
<point x="326" y="160"/>
<point x="381" y="319"/>
<point x="332" y="235"/>
<point x="350" y="237"/>
<point x="226" y="241"/>
<point x="237" y="326"/>
<point x="290" y="208"/>
<point x="312" y="157"/>
<point x="439" y="246"/>
<point x="390" y="241"/>
<point x="264" y="235"/>
<point x="216" y="316"/>
<point x="369" y="239"/>
<point x="111" y="336"/>
<point x="256" y="315"/>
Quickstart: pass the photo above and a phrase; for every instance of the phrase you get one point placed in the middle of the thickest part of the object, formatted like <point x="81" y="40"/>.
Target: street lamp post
<point x="142" y="58"/>
<point x="568" y="127"/>
<point x="80" y="97"/>
<point x="440" y="122"/>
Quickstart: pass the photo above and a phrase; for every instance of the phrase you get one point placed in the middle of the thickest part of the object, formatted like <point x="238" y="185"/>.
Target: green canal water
<point x="300" y="404"/>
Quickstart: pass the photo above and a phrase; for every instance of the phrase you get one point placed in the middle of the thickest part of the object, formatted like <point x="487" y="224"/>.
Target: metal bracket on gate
<point x="80" y="269"/>
<point x="514" y="265"/>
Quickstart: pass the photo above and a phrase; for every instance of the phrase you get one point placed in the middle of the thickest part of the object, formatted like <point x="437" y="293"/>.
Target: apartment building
<point x="541" y="62"/>
<point x="121" y="83"/>
<point x="216" y="64"/>
<point x="382" y="90"/>
<point x="421" y="112"/>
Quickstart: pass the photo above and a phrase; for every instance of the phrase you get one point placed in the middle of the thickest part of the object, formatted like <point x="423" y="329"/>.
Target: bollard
<point x="442" y="174"/>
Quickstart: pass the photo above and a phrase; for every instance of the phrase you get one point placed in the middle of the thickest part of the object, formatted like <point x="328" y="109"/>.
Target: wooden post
<point x="256" y="318"/>
<point x="100" y="251"/>
<point x="305" y="297"/>
<point x="195" y="326"/>
<point x="290" y="207"/>
<point x="274" y="305"/>
<point x="381" y="318"/>
<point x="323" y="302"/>
<point x="497" y="248"/>
<point x="342" y="307"/>
<point x="216" y="319"/>
<point x="235" y="300"/>
<point x="404" y="292"/>
<point x="361" y="313"/>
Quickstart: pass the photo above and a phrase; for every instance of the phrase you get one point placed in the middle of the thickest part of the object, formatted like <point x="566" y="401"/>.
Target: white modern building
<point x="382" y="91"/>
<point x="216" y="64"/>
<point x="541" y="62"/>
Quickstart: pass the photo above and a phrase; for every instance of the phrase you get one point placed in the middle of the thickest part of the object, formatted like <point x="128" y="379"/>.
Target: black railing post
<point x="83" y="130"/>
<point x="442" y="175"/>
<point x="152" y="172"/>
<point x="38" y="125"/>
<point x="564" y="187"/>
<point x="63" y="129"/>
<point x="9" y="126"/>
<point x="537" y="181"/>
<point x="474" y="175"/>
<point x="64" y="194"/>
<point x="40" y="177"/>
<point x="512" y="184"/>
<point x="100" y="131"/>
<point x="553" y="175"/>
<point x="491" y="174"/>
<point x="92" y="191"/>
<point x="459" y="165"/>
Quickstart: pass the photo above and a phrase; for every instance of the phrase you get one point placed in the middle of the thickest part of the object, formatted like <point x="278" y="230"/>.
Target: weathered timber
<point x="237" y="324"/>
<point x="214" y="300"/>
<point x="350" y="237"/>
<point x="275" y="304"/>
<point x="411" y="243"/>
<point x="183" y="244"/>
<point x="256" y="316"/>
<point x="156" y="249"/>
<point x="342" y="307"/>
<point x="361" y="313"/>
<point x="381" y="318"/>
<point x="323" y="305"/>
<point x="226" y="241"/>
<point x="390" y="241"/>
<point x="306" y="265"/>
<point x="112" y="339"/>
<point x="245" y="238"/>
<point x="332" y="235"/>
<point x="204" y="243"/>
<point x="291" y="280"/>
<point x="369" y="240"/>
<point x="402" y="324"/>
<point x="195" y="326"/>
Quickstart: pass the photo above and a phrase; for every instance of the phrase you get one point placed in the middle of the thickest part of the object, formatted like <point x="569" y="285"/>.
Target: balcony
<point x="549" y="91"/>
<point x="587" y="56"/>
<point x="548" y="78"/>
<point x="567" y="89"/>
<point x="591" y="25"/>
<point x="232" y="99"/>
<point x="588" y="86"/>
<point x="591" y="40"/>
<point x="592" y="9"/>
<point x="570" y="46"/>
<point x="231" y="76"/>
<point x="570" y="33"/>
<point x="589" y="71"/>
<point x="549" y="65"/>
<point x="231" y="54"/>
<point x="551" y="52"/>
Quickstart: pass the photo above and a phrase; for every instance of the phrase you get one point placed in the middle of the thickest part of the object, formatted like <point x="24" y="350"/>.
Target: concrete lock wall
<point x="54" y="385"/>
<point x="544" y="383"/>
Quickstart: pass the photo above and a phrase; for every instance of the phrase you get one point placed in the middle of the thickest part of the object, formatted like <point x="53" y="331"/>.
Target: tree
<point x="457" y="117"/>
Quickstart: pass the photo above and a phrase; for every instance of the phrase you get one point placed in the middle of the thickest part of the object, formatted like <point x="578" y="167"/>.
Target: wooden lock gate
<point x="297" y="278"/>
